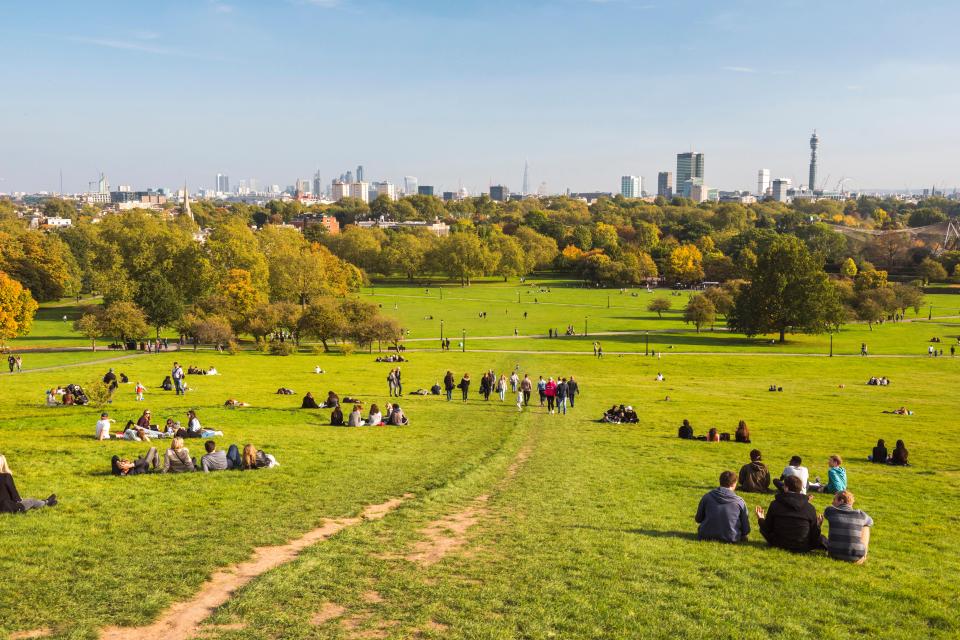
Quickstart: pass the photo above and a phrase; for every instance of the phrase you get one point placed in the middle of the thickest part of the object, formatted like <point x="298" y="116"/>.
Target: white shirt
<point x="103" y="429"/>
<point x="800" y="472"/>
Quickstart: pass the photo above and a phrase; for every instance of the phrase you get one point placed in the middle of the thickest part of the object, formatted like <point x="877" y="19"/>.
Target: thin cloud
<point x="740" y="69"/>
<point x="125" y="45"/>
<point x="221" y="7"/>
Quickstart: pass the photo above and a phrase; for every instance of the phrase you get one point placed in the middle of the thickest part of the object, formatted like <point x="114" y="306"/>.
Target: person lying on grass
<point x="836" y="478"/>
<point x="849" y="534"/>
<point x="10" y="500"/>
<point x="902" y="411"/>
<point x="722" y="514"/>
<point x="216" y="460"/>
<point x="253" y="458"/>
<point x="791" y="522"/>
<point x="754" y="476"/>
<point x="124" y="467"/>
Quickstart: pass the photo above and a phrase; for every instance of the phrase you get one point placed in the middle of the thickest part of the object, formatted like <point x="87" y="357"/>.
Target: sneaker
<point x="52" y="500"/>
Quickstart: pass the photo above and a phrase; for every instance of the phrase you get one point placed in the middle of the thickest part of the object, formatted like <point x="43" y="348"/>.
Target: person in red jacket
<point x="550" y="391"/>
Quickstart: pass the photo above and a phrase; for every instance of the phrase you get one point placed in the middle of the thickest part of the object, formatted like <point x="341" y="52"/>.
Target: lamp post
<point x="608" y="301"/>
<point x="441" y="293"/>
<point x="441" y="333"/>
<point x="586" y="326"/>
<point x="463" y="342"/>
<point x="518" y="297"/>
<point x="831" y="344"/>
<point x="646" y="341"/>
<point x="930" y="314"/>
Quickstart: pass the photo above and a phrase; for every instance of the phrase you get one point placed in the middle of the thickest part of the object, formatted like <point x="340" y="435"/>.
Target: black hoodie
<point x="791" y="523"/>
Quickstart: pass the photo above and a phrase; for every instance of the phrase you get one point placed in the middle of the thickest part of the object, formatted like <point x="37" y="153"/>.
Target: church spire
<point x="186" y="202"/>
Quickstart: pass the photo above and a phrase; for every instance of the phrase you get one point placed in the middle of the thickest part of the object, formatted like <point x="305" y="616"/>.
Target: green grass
<point x="591" y="538"/>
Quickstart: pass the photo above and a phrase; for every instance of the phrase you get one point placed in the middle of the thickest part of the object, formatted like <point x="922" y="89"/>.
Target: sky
<point x="461" y="92"/>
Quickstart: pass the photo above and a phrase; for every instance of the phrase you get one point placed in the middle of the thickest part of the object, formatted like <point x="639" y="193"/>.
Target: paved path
<point x="76" y="364"/>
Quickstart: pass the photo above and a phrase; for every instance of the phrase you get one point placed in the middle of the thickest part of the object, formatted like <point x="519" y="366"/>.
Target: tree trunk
<point x="93" y="344"/>
<point x="783" y="335"/>
<point x="323" y="341"/>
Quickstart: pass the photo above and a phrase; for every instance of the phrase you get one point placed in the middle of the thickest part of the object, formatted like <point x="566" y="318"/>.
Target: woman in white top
<point x="375" y="416"/>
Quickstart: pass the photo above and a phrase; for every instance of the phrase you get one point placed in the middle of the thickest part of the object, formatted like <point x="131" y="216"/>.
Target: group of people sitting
<point x="177" y="460"/>
<point x="878" y="382"/>
<point x="742" y="434"/>
<point x="197" y="371"/>
<point x="144" y="430"/>
<point x="72" y="394"/>
<point x="774" y="387"/>
<point x="332" y="401"/>
<point x="899" y="457"/>
<point x="620" y="415"/>
<point x="391" y="416"/>
<point x="391" y="358"/>
<point x="754" y="476"/>
<point x="791" y="522"/>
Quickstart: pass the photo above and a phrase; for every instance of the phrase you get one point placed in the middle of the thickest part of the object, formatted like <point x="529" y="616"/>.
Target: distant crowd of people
<point x="144" y="429"/>
<point x="556" y="395"/>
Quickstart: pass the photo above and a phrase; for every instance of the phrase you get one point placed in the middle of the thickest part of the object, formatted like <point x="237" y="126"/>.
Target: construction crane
<point x="841" y="182"/>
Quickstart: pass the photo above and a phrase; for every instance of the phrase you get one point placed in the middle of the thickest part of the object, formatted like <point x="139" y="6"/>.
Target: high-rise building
<point x="386" y="189"/>
<point x="339" y="190"/>
<point x="303" y="187"/>
<point x="499" y="193"/>
<point x="223" y="183"/>
<point x="359" y="173"/>
<point x="780" y="188"/>
<point x="410" y="184"/>
<point x="814" y="143"/>
<point x="631" y="186"/>
<point x="102" y="185"/>
<point x="689" y="167"/>
<point x="665" y="184"/>
<point x="424" y="190"/>
<point x="348" y="177"/>
<point x="360" y="190"/>
<point x="763" y="182"/>
<point x="317" y="185"/>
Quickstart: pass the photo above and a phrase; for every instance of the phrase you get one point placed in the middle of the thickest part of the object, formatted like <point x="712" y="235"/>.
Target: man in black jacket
<point x="791" y="522"/>
<point x="572" y="390"/>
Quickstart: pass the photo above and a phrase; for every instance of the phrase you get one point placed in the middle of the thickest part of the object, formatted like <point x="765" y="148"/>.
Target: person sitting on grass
<point x="614" y="414"/>
<point x="397" y="419"/>
<point x="836" y="478"/>
<point x="103" y="427"/>
<point x="167" y="384"/>
<point x="849" y="535"/>
<point x="685" y="431"/>
<point x="309" y="402"/>
<point x="333" y="400"/>
<point x="791" y="522"/>
<point x="255" y="459"/>
<point x="336" y="417"/>
<point x="722" y="514"/>
<point x="10" y="500"/>
<point x="879" y="455"/>
<point x="713" y="435"/>
<point x="216" y="460"/>
<point x="900" y="455"/>
<point x="795" y="468"/>
<point x="356" y="417"/>
<point x="177" y="459"/>
<point x="375" y="417"/>
<point x="754" y="476"/>
<point x="630" y="416"/>
<point x="743" y="433"/>
<point x="123" y="467"/>
<point x="52" y="398"/>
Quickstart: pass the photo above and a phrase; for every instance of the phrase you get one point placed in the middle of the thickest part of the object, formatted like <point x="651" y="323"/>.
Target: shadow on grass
<point x="651" y="533"/>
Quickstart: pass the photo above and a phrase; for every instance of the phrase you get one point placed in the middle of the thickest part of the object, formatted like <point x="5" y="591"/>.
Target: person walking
<point x="599" y="351"/>
<point x="526" y="387"/>
<point x="11" y="362"/>
<point x="514" y="381"/>
<point x="19" y="361"/>
<point x="449" y="385"/>
<point x="177" y="375"/>
<point x="562" y="396"/>
<point x="572" y="390"/>
<point x="392" y="382"/>
<point x="139" y="390"/>
<point x="502" y="387"/>
<point x="399" y="382"/>
<point x="550" y="391"/>
<point x="465" y="386"/>
<point x="541" y="389"/>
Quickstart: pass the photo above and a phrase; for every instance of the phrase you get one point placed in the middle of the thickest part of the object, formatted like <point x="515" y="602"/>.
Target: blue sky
<point x="153" y="93"/>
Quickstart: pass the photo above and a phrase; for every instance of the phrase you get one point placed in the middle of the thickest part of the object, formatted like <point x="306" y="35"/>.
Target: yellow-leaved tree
<point x="17" y="308"/>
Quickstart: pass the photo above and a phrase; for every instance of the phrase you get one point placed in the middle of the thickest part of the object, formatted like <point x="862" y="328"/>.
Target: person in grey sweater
<point x="215" y="460"/>
<point x="722" y="514"/>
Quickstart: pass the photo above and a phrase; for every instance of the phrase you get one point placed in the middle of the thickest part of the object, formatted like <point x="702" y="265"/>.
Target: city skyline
<point x="161" y="95"/>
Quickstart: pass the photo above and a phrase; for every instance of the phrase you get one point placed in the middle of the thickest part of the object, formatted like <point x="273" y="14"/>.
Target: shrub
<point x="282" y="348"/>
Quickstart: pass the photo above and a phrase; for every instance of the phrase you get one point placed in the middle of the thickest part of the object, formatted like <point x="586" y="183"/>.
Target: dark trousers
<point x="466" y="392"/>
<point x="550" y="403"/>
<point x="526" y="397"/>
<point x="449" y="395"/>
<point x="233" y="457"/>
<point x="543" y="397"/>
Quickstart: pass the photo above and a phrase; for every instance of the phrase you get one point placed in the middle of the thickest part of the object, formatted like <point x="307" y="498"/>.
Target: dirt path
<point x="183" y="620"/>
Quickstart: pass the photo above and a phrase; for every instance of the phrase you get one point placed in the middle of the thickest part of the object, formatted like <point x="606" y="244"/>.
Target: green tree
<point x="233" y="245"/>
<point x="788" y="292"/>
<point x="90" y="326"/>
<point x="464" y="257"/>
<point x="405" y="253"/>
<point x="161" y="301"/>
<point x="124" y="321"/>
<point x="659" y="305"/>
<point x="721" y="298"/>
<point x="932" y="271"/>
<point x="849" y="268"/>
<point x="699" y="311"/>
<point x="322" y="320"/>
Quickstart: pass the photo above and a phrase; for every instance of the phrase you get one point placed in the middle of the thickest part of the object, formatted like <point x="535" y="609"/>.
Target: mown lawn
<point x="590" y="537"/>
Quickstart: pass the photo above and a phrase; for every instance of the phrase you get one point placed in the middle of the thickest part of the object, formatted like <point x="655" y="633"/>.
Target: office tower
<point x="410" y="185"/>
<point x="317" y="185"/>
<point x="303" y="187"/>
<point x="359" y="173"/>
<point x="526" y="178"/>
<point x="360" y="190"/>
<point x="689" y="167"/>
<point x="449" y="195"/>
<point x="254" y="185"/>
<point x="665" y="184"/>
<point x="780" y="188"/>
<point x="763" y="182"/>
<point x="499" y="193"/>
<point x="339" y="190"/>
<point x="814" y="143"/>
<point x="425" y="190"/>
<point x="386" y="189"/>
<point x="223" y="183"/>
<point x="631" y="186"/>
<point x="348" y="177"/>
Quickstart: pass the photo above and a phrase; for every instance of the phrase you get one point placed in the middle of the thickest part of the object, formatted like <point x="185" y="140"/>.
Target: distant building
<point x="96" y="198"/>
<point x="814" y="144"/>
<point x="340" y="190"/>
<point x="223" y="183"/>
<point x="699" y="192"/>
<point x="665" y="184"/>
<point x="763" y="182"/>
<point x="449" y="195"/>
<point x="309" y="220"/>
<point x="58" y="223"/>
<point x="410" y="184"/>
<point x="741" y="197"/>
<point x="424" y="190"/>
<point x="686" y="188"/>
<point x="780" y="188"/>
<point x="437" y="227"/>
<point x="386" y="189"/>
<point x="317" y="185"/>
<point x="141" y="197"/>
<point x="303" y="186"/>
<point x="499" y="193"/>
<point x="631" y="186"/>
<point x="690" y="166"/>
<point x="360" y="173"/>
<point x="591" y="196"/>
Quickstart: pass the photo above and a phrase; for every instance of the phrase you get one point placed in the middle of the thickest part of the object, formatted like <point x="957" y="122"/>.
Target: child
<point x="140" y="389"/>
